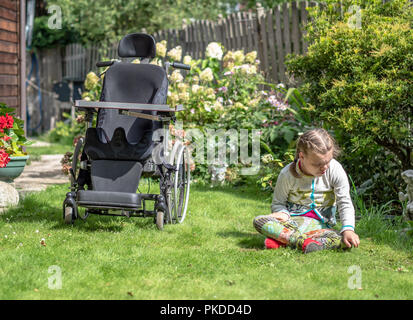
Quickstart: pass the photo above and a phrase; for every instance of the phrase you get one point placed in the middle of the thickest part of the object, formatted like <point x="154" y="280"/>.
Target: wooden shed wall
<point x="11" y="61"/>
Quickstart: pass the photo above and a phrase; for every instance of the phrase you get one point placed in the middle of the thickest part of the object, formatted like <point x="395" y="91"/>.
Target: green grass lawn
<point x="35" y="152"/>
<point x="215" y="254"/>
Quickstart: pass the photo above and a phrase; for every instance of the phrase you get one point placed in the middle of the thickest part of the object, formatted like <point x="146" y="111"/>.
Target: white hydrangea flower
<point x="161" y="48"/>
<point x="239" y="56"/>
<point x="176" y="77"/>
<point x="248" y="69"/>
<point x="214" y="50"/>
<point x="195" y="88"/>
<point x="91" y="80"/>
<point x="250" y="57"/>
<point x="187" y="60"/>
<point x="175" y="53"/>
<point x="206" y="75"/>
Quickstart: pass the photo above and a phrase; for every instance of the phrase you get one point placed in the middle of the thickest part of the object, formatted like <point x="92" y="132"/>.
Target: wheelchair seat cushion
<point x="105" y="199"/>
<point x="116" y="176"/>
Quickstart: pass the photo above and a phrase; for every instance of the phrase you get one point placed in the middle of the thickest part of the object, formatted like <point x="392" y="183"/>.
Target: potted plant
<point x="12" y="139"/>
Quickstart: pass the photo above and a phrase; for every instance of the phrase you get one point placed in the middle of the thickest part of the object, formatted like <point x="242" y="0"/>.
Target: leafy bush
<point x="66" y="131"/>
<point x="226" y="90"/>
<point x="44" y="37"/>
<point x="358" y="81"/>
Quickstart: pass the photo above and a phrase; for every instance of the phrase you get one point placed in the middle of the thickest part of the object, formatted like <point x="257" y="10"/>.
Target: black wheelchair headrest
<point x="138" y="45"/>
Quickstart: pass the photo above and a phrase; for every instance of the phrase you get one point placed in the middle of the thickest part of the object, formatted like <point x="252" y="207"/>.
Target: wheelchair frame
<point x="170" y="206"/>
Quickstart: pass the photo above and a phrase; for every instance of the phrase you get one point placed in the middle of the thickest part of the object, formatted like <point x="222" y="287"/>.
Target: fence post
<point x="262" y="52"/>
<point x="219" y="30"/>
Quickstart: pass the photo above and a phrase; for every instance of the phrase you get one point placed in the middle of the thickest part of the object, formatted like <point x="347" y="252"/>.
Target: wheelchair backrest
<point x="133" y="83"/>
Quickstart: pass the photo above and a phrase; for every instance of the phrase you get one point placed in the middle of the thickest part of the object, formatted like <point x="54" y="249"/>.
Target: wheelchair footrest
<point x="106" y="199"/>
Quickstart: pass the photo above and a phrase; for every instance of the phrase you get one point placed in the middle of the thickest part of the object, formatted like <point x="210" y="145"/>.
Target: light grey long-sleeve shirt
<point x="296" y="196"/>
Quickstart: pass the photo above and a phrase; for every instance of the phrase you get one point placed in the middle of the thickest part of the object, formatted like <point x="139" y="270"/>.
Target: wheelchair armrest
<point x="123" y="106"/>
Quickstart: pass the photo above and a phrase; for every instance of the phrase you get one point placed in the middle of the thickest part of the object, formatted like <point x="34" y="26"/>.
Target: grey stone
<point x="8" y="195"/>
<point x="408" y="178"/>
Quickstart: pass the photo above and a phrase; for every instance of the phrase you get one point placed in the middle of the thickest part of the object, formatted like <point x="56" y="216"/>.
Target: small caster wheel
<point x="69" y="215"/>
<point x="159" y="219"/>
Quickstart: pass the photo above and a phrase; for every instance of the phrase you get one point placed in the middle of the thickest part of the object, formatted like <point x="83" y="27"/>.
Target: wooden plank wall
<point x="10" y="53"/>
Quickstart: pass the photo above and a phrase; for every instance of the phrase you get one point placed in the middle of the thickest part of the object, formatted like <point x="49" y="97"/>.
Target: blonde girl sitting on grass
<point x="307" y="195"/>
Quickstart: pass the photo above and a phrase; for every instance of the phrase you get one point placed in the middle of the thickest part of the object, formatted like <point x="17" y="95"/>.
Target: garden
<point x="355" y="82"/>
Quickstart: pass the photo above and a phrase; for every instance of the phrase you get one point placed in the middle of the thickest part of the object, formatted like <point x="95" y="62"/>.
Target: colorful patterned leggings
<point x="298" y="228"/>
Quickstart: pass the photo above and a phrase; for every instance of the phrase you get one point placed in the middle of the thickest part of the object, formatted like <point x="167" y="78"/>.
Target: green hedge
<point x="357" y="76"/>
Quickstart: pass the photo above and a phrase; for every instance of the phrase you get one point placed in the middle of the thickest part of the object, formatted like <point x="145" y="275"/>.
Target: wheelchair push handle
<point x="181" y="66"/>
<point x="102" y="64"/>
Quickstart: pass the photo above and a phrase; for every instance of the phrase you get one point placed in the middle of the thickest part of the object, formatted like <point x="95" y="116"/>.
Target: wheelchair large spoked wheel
<point x="181" y="180"/>
<point x="76" y="162"/>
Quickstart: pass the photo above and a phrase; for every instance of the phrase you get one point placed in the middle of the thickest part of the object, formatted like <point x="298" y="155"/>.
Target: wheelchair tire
<point x="181" y="185"/>
<point x="159" y="219"/>
<point x="75" y="161"/>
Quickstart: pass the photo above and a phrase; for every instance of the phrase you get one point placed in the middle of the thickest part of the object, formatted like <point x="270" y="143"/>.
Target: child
<point x="305" y="198"/>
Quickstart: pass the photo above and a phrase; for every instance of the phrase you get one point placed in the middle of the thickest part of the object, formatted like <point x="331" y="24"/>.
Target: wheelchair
<point x="129" y="142"/>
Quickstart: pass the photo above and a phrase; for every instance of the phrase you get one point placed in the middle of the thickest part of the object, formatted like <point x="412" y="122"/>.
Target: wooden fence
<point x="272" y="33"/>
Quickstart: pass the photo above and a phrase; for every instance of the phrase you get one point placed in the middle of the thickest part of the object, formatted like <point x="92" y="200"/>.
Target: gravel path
<point x="40" y="174"/>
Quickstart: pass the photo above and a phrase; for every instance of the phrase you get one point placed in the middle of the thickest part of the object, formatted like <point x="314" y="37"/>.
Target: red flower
<point x="4" y="158"/>
<point x="6" y="138"/>
<point x="10" y="121"/>
<point x="6" y="122"/>
<point x="3" y="122"/>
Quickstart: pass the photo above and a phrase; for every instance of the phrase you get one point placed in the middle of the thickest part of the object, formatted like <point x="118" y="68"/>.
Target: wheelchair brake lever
<point x="169" y="166"/>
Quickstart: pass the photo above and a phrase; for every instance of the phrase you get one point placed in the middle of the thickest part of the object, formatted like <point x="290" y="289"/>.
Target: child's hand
<point x="350" y="238"/>
<point x="281" y="216"/>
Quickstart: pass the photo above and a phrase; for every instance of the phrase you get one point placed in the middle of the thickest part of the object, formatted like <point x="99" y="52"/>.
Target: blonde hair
<point x="316" y="140"/>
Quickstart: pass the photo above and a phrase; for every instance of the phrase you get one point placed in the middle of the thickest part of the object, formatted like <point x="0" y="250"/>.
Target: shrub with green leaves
<point x="357" y="76"/>
<point x="227" y="90"/>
